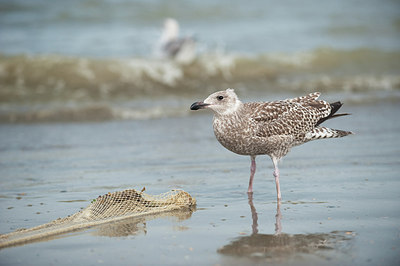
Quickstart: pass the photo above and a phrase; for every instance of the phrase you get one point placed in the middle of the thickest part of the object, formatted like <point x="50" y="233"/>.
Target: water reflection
<point x="136" y="226"/>
<point x="254" y="216"/>
<point x="280" y="246"/>
<point x="124" y="227"/>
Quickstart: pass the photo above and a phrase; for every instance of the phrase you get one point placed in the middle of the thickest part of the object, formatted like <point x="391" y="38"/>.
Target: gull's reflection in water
<point x="254" y="216"/>
<point x="280" y="246"/>
<point x="137" y="226"/>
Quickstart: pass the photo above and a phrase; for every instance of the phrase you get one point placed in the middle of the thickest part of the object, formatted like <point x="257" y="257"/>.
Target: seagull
<point x="269" y="128"/>
<point x="172" y="46"/>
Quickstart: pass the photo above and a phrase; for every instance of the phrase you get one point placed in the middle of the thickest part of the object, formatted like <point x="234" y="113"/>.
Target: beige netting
<point x="107" y="208"/>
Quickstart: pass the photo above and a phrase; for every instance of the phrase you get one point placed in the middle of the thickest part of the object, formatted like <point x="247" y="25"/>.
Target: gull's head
<point x="171" y="30"/>
<point x="221" y="102"/>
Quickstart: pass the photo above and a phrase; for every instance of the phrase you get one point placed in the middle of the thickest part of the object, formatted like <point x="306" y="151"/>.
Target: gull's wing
<point x="288" y="117"/>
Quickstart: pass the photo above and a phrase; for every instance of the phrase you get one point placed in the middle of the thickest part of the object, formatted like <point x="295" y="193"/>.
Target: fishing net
<point x="108" y="208"/>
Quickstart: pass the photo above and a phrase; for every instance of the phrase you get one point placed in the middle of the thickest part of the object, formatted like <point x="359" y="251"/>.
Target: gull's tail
<point x="334" y="108"/>
<point x="325" y="133"/>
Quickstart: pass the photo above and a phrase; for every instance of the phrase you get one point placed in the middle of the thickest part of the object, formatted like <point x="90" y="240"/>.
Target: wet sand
<point x="341" y="197"/>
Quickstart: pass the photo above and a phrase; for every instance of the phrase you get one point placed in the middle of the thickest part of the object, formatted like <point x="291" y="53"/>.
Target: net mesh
<point x="107" y="208"/>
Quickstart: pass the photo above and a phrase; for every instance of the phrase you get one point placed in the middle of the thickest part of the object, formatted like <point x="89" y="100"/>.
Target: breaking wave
<point x="54" y="87"/>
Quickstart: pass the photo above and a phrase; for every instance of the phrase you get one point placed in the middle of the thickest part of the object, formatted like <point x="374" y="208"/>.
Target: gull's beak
<point x="198" y="105"/>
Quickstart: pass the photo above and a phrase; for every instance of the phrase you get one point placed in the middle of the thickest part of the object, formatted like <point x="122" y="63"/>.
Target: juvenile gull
<point x="270" y="128"/>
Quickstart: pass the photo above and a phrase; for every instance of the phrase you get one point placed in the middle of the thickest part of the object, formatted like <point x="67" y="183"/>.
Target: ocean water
<point x="95" y="60"/>
<point x="125" y="28"/>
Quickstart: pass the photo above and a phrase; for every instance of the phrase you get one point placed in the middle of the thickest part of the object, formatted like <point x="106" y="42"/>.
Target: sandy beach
<point x="340" y="197"/>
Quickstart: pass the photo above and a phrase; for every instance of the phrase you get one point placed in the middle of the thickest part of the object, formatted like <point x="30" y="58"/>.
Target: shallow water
<point x="340" y="197"/>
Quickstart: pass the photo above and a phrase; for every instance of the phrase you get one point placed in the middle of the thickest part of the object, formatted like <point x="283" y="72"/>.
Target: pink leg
<point x="276" y="175"/>
<point x="278" y="218"/>
<point x="252" y="172"/>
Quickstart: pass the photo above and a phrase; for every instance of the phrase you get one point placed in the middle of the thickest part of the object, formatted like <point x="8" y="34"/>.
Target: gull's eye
<point x="219" y="98"/>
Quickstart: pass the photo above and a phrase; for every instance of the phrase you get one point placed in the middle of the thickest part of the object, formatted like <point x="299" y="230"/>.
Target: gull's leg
<point x="278" y="218"/>
<point x="276" y="175"/>
<point x="252" y="172"/>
